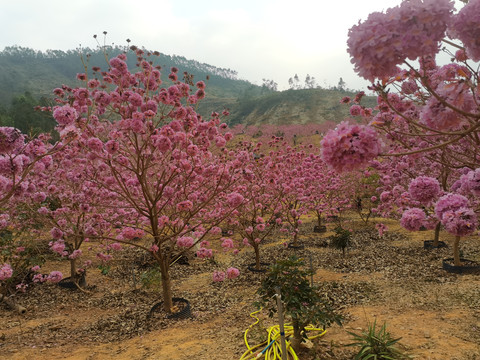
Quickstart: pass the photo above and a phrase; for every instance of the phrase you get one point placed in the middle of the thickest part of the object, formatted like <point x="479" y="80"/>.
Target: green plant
<point x="104" y="269"/>
<point x="342" y="239"/>
<point x="376" y="345"/>
<point x="151" y="278"/>
<point x="302" y="303"/>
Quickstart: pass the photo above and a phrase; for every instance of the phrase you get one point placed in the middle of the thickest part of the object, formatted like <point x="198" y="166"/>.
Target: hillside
<point x="294" y="107"/>
<point x="27" y="78"/>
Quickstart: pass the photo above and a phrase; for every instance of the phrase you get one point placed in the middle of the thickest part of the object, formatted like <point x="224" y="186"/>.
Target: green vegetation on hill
<point x="27" y="78"/>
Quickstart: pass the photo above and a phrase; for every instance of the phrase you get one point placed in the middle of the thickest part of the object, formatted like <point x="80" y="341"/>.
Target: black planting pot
<point x="296" y="247"/>
<point x="68" y="283"/>
<point x="319" y="229"/>
<point x="252" y="267"/>
<point x="428" y="245"/>
<point x="469" y="267"/>
<point x="184" y="313"/>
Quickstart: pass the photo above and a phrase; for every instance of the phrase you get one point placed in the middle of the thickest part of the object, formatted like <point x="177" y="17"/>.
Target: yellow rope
<point x="274" y="351"/>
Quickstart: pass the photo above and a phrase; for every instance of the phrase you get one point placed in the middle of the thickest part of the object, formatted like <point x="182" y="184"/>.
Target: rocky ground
<point x="390" y="278"/>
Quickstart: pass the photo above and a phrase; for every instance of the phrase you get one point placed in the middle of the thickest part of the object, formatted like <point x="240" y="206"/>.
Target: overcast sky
<point x="272" y="39"/>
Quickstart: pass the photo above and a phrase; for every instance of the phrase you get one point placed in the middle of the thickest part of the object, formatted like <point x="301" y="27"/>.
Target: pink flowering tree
<point x="258" y="214"/>
<point x="326" y="192"/>
<point x="292" y="183"/>
<point x="20" y="158"/>
<point x="427" y="109"/>
<point x="162" y="159"/>
<point x="436" y="103"/>
<point x="457" y="217"/>
<point x="70" y="201"/>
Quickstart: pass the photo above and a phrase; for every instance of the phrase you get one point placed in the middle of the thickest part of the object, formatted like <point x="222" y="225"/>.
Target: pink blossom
<point x="350" y="147"/>
<point x="381" y="228"/>
<point x="58" y="247"/>
<point x="450" y="203"/>
<point x="355" y="110"/>
<point x="204" y="253"/>
<point x="232" y="273"/>
<point x="56" y="233"/>
<point x="227" y="243"/>
<point x="115" y="246"/>
<point x="55" y="276"/>
<point x="218" y="276"/>
<point x="39" y="278"/>
<point x="385" y="40"/>
<point x="464" y="26"/>
<point x="10" y="139"/>
<point x="75" y="254"/>
<point x="35" y="268"/>
<point x="460" y="222"/>
<point x="104" y="257"/>
<point x="95" y="144"/>
<point x="185" y="205"/>
<point x="413" y="219"/>
<point x="65" y="115"/>
<point x="424" y="189"/>
<point x="43" y="210"/>
<point x="131" y="233"/>
<point x="154" y="248"/>
<point x="234" y="199"/>
<point x="471" y="182"/>
<point x="260" y="227"/>
<point x="246" y="242"/>
<point x="163" y="143"/>
<point x="6" y="271"/>
<point x="185" y="241"/>
<point x="111" y="146"/>
<point x="220" y="141"/>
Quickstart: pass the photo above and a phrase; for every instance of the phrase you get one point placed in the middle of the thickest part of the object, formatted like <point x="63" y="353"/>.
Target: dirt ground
<point x="390" y="279"/>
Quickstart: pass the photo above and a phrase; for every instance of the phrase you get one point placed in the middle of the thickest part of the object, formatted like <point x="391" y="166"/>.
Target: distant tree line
<point x="22" y="114"/>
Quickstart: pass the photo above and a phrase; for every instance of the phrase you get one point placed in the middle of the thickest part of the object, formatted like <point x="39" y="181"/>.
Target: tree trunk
<point x="436" y="235"/>
<point x="319" y="219"/>
<point x="73" y="269"/>
<point x="456" y="251"/>
<point x="297" y="336"/>
<point x="257" y="256"/>
<point x="166" y="285"/>
<point x="295" y="236"/>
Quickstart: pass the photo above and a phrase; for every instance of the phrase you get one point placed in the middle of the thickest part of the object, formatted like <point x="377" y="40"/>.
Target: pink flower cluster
<point x="471" y="182"/>
<point x="460" y="222"/>
<point x="234" y="199"/>
<point x="218" y="276"/>
<point x="6" y="272"/>
<point x="232" y="273"/>
<point x="464" y="26"/>
<point x="385" y="40"/>
<point x="185" y="241"/>
<point x="449" y="203"/>
<point x="55" y="276"/>
<point x="10" y="139"/>
<point x="132" y="234"/>
<point x="455" y="215"/>
<point x="424" y="189"/>
<point x="65" y="115"/>
<point x="413" y="219"/>
<point x="349" y="147"/>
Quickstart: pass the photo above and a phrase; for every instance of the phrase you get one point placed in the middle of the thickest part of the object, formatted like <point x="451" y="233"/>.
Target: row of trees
<point x="136" y="165"/>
